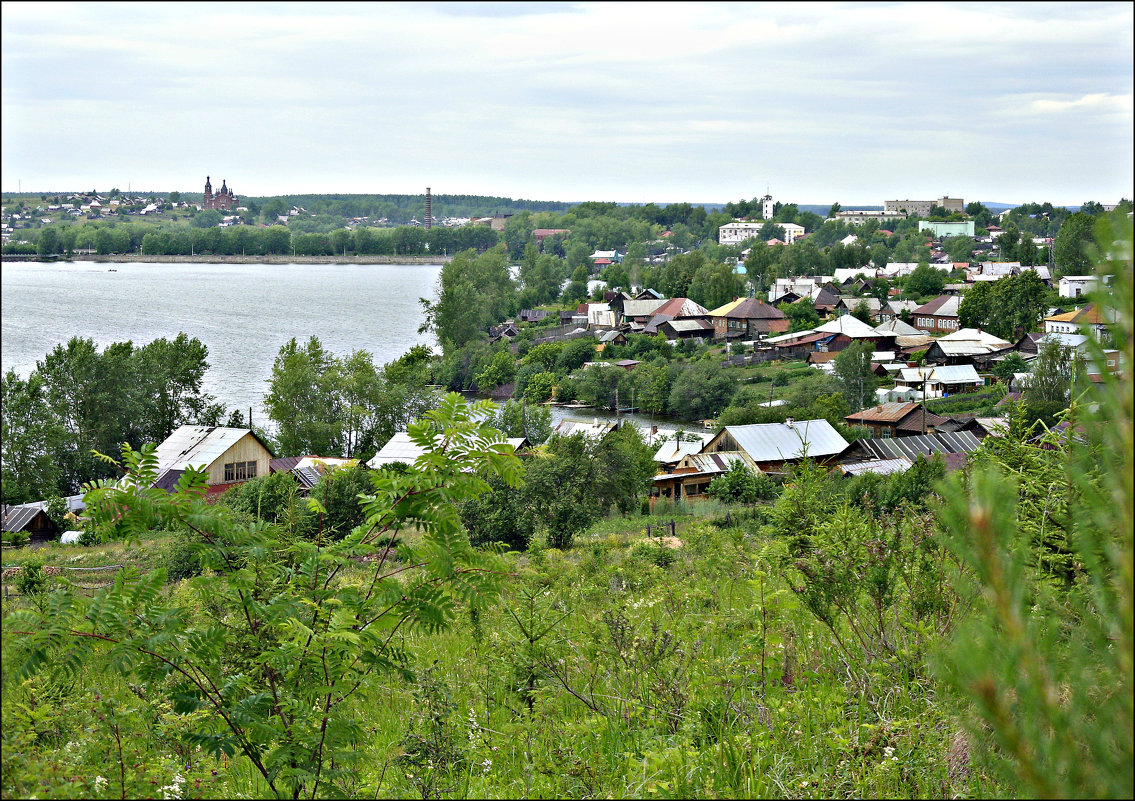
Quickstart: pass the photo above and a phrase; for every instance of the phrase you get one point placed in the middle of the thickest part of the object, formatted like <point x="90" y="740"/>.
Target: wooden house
<point x="230" y="456"/>
<point x="690" y="479"/>
<point x="772" y="446"/>
<point x="31" y="520"/>
<point x="747" y="318"/>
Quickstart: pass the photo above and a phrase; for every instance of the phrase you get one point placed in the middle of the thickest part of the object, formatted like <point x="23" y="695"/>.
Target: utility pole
<point x="925" y="378"/>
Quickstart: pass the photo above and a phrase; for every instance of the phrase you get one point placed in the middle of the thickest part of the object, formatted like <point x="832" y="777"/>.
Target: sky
<point x="815" y="102"/>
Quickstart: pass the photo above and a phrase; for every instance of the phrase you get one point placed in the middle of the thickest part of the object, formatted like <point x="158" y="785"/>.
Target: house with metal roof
<point x="671" y="451"/>
<point x="307" y="470"/>
<point x="697" y="328"/>
<point x="229" y="455"/>
<point x="967" y="346"/>
<point x="30" y="519"/>
<point x="940" y="381"/>
<point x="895" y="419"/>
<point x="894" y="327"/>
<point x="747" y="318"/>
<point x="400" y="448"/>
<point x="690" y="479"/>
<point x="953" y="446"/>
<point x="1075" y="321"/>
<point x="770" y="446"/>
<point x="940" y="314"/>
<point x="881" y="467"/>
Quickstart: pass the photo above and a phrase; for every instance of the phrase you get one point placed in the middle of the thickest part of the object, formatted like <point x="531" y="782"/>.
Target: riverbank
<point x="137" y="257"/>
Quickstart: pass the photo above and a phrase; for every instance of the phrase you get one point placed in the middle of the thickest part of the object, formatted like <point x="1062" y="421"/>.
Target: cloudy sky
<point x="819" y="102"/>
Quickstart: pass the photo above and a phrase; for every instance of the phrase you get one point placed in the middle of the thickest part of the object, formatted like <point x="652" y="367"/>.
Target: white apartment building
<point x="738" y="231"/>
<point x="854" y="217"/>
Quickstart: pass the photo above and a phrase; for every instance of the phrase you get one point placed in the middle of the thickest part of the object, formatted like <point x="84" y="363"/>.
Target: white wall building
<point x="1073" y="286"/>
<point x="738" y="231"/>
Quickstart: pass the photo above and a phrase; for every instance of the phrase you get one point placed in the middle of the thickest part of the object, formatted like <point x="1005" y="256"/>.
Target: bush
<point x="654" y="553"/>
<point x="32" y="580"/>
<point x="181" y="559"/>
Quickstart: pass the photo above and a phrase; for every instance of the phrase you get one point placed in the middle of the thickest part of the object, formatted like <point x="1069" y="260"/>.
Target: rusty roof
<point x="883" y="413"/>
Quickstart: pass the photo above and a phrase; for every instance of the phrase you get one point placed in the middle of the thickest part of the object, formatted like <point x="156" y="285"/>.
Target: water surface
<point x="242" y="312"/>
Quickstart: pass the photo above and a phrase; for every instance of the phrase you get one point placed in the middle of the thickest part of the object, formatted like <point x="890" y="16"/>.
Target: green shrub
<point x="182" y="559"/>
<point x="32" y="580"/>
<point x="655" y="553"/>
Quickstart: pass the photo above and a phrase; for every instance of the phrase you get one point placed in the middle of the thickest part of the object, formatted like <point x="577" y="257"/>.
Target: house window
<point x="239" y="471"/>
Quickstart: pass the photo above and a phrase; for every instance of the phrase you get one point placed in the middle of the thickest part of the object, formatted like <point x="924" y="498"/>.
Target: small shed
<point x="32" y="520"/>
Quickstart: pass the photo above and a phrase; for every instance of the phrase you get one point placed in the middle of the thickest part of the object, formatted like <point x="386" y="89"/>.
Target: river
<point x="242" y="312"/>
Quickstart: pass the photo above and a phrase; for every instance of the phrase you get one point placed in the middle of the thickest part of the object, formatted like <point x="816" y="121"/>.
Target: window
<point x="239" y="471"/>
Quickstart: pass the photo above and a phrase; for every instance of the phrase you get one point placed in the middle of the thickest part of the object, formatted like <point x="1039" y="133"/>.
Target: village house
<point x="747" y="318"/>
<point x="1074" y="286"/>
<point x="230" y="456"/>
<point x="940" y="314"/>
<point x="307" y="470"/>
<point x="1075" y="321"/>
<point x="772" y="446"/>
<point x="848" y="304"/>
<point x="952" y="447"/>
<point x="895" y="420"/>
<point x="690" y="478"/>
<point x="967" y="346"/>
<point x="893" y="309"/>
<point x="941" y="381"/>
<point x="30" y="519"/>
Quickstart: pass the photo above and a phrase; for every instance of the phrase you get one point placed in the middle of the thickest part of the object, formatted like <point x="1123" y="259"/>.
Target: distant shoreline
<point x="212" y="259"/>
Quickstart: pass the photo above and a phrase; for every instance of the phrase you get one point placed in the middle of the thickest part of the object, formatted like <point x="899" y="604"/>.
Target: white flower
<point x="486" y="765"/>
<point x="100" y="783"/>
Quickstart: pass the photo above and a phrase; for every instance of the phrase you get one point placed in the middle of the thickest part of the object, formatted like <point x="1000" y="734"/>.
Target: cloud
<point x="569" y="100"/>
<point x="1097" y="103"/>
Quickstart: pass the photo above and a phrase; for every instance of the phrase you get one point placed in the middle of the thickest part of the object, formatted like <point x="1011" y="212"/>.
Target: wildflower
<point x="804" y="784"/>
<point x="486" y="765"/>
<point x="100" y="783"/>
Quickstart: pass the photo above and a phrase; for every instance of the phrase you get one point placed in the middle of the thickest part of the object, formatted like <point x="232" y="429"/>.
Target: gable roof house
<point x="940" y="314"/>
<point x="893" y="308"/>
<point x="230" y="455"/>
<point x="952" y="447"/>
<point x="30" y="518"/>
<point x="940" y="381"/>
<point x="1072" y="322"/>
<point x="690" y="478"/>
<point x="967" y="346"/>
<point x="307" y="470"/>
<point x="848" y="303"/>
<point x="895" y="327"/>
<point x="637" y="311"/>
<point x="747" y="318"/>
<point x="824" y="302"/>
<point x="771" y="446"/>
<point x="895" y="420"/>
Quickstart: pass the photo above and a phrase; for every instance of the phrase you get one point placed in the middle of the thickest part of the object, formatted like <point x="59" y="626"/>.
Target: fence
<point x="54" y="570"/>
